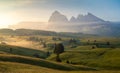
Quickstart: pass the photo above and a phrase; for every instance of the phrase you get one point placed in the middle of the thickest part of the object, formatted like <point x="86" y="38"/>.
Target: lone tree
<point x="93" y="47"/>
<point x="72" y="41"/>
<point x="44" y="45"/>
<point x="48" y="53"/>
<point x="67" y="61"/>
<point x="59" y="48"/>
<point x="108" y="43"/>
<point x="11" y="50"/>
<point x="88" y="42"/>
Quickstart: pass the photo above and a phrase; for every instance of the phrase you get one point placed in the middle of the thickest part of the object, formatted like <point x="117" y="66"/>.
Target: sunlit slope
<point x="22" y="51"/>
<point x="33" y="61"/>
<point x="24" y="55"/>
<point x="41" y="63"/>
<point x="19" y="64"/>
<point x="103" y="58"/>
<point x="13" y="67"/>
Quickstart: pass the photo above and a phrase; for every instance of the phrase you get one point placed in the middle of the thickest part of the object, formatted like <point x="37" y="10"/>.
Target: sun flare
<point x="6" y="20"/>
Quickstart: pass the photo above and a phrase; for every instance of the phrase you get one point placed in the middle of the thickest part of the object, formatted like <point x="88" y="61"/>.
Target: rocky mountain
<point x="58" y="17"/>
<point x="88" y="24"/>
<point x="88" y="18"/>
<point x="73" y="19"/>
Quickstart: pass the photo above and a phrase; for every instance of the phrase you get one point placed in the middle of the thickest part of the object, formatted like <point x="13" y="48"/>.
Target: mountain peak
<point x="58" y="17"/>
<point x="93" y="18"/>
<point x="79" y="17"/>
<point x="88" y="18"/>
<point x="73" y="19"/>
<point x="90" y="13"/>
<point x="56" y="12"/>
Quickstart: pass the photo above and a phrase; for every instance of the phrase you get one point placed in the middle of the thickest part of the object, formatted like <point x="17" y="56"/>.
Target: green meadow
<point x="85" y="54"/>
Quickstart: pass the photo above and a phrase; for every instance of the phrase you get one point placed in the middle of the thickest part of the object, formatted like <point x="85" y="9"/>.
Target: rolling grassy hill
<point x="102" y="58"/>
<point x="20" y="64"/>
<point x="34" y="61"/>
<point x="83" y="58"/>
<point x="22" y="32"/>
<point x="9" y="62"/>
<point x="22" y="51"/>
<point x="25" y="62"/>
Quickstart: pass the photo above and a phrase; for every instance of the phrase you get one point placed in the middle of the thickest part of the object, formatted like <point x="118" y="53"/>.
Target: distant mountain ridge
<point x="29" y="32"/>
<point x="88" y="18"/>
<point x="58" y="17"/>
<point x="87" y="24"/>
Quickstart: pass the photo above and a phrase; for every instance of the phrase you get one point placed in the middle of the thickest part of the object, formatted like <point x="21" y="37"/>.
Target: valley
<point x="93" y="54"/>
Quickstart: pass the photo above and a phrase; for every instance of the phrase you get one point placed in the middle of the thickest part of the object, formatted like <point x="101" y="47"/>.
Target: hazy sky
<point x="13" y="11"/>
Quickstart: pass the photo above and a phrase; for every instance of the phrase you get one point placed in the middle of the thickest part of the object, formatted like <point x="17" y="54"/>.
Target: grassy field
<point x="99" y="58"/>
<point x="12" y="67"/>
<point x="22" y="51"/>
<point x="18" y="63"/>
<point x="82" y="57"/>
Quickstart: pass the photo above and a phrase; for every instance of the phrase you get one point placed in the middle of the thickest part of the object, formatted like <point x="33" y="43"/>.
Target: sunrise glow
<point x="6" y="20"/>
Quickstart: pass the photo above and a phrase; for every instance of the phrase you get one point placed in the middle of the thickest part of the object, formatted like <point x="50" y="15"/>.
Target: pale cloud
<point x="13" y="3"/>
<point x="20" y="2"/>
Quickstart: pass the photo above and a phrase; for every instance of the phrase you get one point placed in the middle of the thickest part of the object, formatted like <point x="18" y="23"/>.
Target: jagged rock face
<point x="89" y="24"/>
<point x="88" y="18"/>
<point x="73" y="19"/>
<point x="58" y="17"/>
